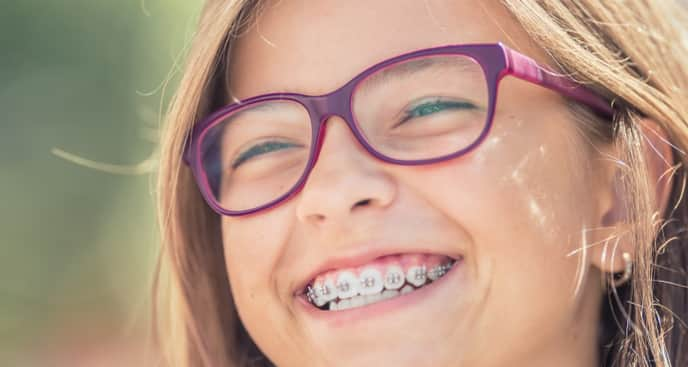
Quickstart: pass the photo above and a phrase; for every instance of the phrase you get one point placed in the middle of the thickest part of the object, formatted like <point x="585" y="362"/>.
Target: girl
<point x="428" y="183"/>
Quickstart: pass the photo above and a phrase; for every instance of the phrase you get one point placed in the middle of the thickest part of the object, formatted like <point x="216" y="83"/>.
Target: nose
<point x="344" y="180"/>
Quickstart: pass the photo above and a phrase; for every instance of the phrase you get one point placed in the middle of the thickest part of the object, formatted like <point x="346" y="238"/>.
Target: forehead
<point x="315" y="46"/>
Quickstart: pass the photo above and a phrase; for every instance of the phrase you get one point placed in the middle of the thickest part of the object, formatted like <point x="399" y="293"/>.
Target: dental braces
<point x="394" y="278"/>
<point x="312" y="292"/>
<point x="368" y="282"/>
<point x="343" y="286"/>
<point x="420" y="273"/>
<point x="439" y="271"/>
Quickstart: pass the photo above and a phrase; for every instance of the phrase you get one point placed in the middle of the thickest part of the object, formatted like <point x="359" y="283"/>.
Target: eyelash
<point x="408" y="114"/>
<point x="412" y="112"/>
<point x="258" y="150"/>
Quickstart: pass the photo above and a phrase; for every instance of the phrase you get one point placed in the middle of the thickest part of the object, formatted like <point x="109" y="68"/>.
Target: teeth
<point x="416" y="275"/>
<point x="371" y="282"/>
<point x="373" y="298"/>
<point x="438" y="271"/>
<point x="347" y="285"/>
<point x="318" y="299"/>
<point x="394" y="279"/>
<point x="311" y="294"/>
<point x="357" y="301"/>
<point x="407" y="288"/>
<point x="320" y="294"/>
<point x="390" y="294"/>
<point x="329" y="292"/>
<point x="370" y="286"/>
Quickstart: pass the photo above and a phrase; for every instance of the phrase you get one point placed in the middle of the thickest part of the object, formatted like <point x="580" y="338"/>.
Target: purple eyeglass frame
<point x="496" y="61"/>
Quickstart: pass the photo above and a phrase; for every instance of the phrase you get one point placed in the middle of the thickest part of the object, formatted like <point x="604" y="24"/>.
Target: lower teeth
<point x="360" y="300"/>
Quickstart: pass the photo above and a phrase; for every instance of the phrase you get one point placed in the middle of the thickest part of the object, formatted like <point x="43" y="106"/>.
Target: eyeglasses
<point x="418" y="108"/>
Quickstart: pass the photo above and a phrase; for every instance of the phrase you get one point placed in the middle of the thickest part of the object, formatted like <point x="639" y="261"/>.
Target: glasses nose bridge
<point x="337" y="103"/>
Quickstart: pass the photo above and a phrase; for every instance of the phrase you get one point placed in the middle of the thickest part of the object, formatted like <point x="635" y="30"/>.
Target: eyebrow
<point x="407" y="68"/>
<point x="263" y="107"/>
<point x="394" y="71"/>
<point x="273" y="107"/>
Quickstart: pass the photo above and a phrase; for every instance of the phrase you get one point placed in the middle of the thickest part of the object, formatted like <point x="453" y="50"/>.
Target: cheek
<point x="522" y="196"/>
<point x="252" y="248"/>
<point x="523" y="182"/>
<point x="254" y="252"/>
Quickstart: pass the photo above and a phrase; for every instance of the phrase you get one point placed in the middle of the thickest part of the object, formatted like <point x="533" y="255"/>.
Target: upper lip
<point x="364" y="253"/>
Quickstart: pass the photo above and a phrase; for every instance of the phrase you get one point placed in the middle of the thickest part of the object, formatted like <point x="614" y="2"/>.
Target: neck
<point x="577" y="346"/>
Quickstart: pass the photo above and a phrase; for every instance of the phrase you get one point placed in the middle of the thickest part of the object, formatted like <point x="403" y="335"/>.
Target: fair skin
<point x="516" y="208"/>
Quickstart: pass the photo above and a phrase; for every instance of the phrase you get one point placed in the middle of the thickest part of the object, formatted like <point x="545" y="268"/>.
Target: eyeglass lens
<point x="418" y="109"/>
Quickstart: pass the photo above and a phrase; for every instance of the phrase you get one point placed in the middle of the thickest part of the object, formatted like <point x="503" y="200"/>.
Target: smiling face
<point x="506" y="217"/>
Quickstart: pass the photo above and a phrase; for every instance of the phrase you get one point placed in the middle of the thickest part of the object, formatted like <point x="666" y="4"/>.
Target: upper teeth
<point x="347" y="284"/>
<point x="439" y="271"/>
<point x="417" y="275"/>
<point x="394" y="278"/>
<point x="371" y="282"/>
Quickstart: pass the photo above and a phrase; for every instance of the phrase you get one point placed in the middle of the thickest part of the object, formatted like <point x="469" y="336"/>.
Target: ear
<point x="607" y="252"/>
<point x="660" y="160"/>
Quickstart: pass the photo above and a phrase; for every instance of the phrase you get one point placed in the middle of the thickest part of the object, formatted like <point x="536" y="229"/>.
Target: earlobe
<point x="607" y="253"/>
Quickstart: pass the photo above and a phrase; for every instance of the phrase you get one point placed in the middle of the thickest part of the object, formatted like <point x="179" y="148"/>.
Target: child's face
<point x="514" y="209"/>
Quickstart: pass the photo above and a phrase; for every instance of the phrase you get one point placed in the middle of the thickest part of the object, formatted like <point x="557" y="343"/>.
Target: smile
<point x="385" y="278"/>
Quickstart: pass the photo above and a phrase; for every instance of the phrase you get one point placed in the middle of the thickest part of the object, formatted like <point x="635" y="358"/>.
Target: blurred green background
<point x="78" y="245"/>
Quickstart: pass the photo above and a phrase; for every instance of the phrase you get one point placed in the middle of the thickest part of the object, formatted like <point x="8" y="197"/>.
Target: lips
<point x="435" y="296"/>
<point x="377" y="257"/>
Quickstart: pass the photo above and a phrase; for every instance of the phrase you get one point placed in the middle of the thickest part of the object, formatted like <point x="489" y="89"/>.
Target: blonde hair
<point x="630" y="51"/>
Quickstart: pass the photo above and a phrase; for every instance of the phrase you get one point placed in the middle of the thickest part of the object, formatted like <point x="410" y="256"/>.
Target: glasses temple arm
<point x="523" y="67"/>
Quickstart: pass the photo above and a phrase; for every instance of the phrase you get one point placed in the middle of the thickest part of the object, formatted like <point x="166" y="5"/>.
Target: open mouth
<point x="385" y="278"/>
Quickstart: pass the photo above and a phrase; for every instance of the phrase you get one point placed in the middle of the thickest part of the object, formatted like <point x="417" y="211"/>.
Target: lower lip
<point x="388" y="306"/>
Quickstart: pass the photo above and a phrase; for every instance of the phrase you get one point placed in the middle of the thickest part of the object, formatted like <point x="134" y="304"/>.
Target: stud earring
<point x="628" y="270"/>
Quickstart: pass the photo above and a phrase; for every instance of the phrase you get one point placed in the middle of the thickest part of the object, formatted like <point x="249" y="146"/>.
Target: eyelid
<point x="240" y="156"/>
<point x="406" y="114"/>
<point x="241" y="152"/>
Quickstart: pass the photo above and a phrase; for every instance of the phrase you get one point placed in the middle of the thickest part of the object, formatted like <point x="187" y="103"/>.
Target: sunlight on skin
<point x="538" y="215"/>
<point x="513" y="207"/>
<point x="517" y="177"/>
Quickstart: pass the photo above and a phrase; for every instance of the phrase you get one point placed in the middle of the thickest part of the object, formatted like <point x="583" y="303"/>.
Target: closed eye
<point x="259" y="149"/>
<point x="432" y="107"/>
